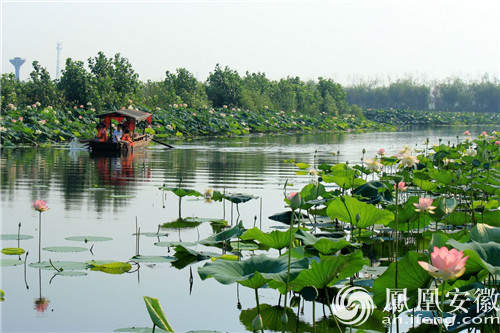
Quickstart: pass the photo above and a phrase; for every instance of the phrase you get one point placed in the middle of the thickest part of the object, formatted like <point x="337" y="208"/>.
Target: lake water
<point x="109" y="196"/>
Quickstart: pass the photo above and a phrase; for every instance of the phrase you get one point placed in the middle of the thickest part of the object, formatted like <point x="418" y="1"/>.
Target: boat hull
<point x="116" y="148"/>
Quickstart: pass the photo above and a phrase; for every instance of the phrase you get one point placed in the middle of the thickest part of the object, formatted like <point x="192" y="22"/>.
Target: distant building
<point x="17" y="62"/>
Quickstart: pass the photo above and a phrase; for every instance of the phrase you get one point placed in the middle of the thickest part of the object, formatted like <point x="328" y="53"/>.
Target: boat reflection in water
<point x="121" y="169"/>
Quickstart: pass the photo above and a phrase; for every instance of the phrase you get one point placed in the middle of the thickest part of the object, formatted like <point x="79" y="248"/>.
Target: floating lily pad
<point x="112" y="267"/>
<point x="205" y="219"/>
<point x="174" y="244"/>
<point x="139" y="329"/>
<point x="88" y="239"/>
<point x="180" y="223"/>
<point x="15" y="237"/>
<point x="152" y="259"/>
<point x="71" y="273"/>
<point x="239" y="198"/>
<point x="65" y="249"/>
<point x="13" y="251"/>
<point x="64" y="265"/>
<point x="151" y="234"/>
<point x="10" y="262"/>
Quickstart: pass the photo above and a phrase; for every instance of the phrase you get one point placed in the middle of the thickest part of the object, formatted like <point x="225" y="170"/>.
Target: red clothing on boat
<point x="102" y="135"/>
<point x="126" y="137"/>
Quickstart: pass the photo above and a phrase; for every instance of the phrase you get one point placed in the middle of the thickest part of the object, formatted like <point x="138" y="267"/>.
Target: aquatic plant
<point x="40" y="206"/>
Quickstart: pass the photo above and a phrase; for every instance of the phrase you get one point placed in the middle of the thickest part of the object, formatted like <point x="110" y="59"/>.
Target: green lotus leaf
<point x="239" y="198"/>
<point x="488" y="252"/>
<point x="243" y="246"/>
<point x="60" y="265"/>
<point x="223" y="236"/>
<point x="185" y="256"/>
<point x="152" y="259"/>
<point x="490" y="216"/>
<point x="408" y="218"/>
<point x="112" y="268"/>
<point x="425" y="185"/>
<point x="151" y="234"/>
<point x="65" y="249"/>
<point x="13" y="251"/>
<point x="306" y="237"/>
<point x="275" y="239"/>
<point x="230" y="257"/>
<point x="348" y="210"/>
<point x="458" y="218"/>
<point x="271" y="319"/>
<point x="89" y="239"/>
<point x="309" y="293"/>
<point x="15" y="237"/>
<point x="10" y="262"/>
<point x="444" y="177"/>
<point x="285" y="217"/>
<point x="174" y="244"/>
<point x="329" y="270"/>
<point x="138" y="330"/>
<point x="71" y="273"/>
<point x="444" y="206"/>
<point x="180" y="223"/>
<point x="254" y="272"/>
<point x="484" y="233"/>
<point x="182" y="192"/>
<point x="373" y="192"/>
<point x="410" y="276"/>
<point x="156" y="313"/>
<point x="328" y="246"/>
<point x="302" y="165"/>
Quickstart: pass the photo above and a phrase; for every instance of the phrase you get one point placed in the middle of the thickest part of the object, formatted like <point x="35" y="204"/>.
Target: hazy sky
<point x="343" y="40"/>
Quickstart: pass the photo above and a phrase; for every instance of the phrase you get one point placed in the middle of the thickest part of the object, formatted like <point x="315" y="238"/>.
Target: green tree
<point x="75" y="83"/>
<point x="224" y="87"/>
<point x="113" y="80"/>
<point x="187" y="88"/>
<point x="40" y="88"/>
<point x="11" y="90"/>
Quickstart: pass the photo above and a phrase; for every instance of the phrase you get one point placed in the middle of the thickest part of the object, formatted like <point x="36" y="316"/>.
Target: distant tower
<point x="17" y="62"/>
<point x="58" y="66"/>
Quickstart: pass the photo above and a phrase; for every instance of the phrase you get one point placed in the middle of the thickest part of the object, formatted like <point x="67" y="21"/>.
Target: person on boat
<point x="117" y="134"/>
<point x="102" y="136"/>
<point x="127" y="138"/>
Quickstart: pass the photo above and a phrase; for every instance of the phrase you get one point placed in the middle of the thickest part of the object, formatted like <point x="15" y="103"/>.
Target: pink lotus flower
<point x="497" y="143"/>
<point x="446" y="264"/>
<point x="40" y="205"/>
<point x="21" y="118"/>
<point x="401" y="186"/>
<point x="14" y="121"/>
<point x="41" y="304"/>
<point x="467" y="133"/>
<point x="484" y="133"/>
<point x="295" y="200"/>
<point x="381" y="151"/>
<point x="424" y="205"/>
<point x="81" y="106"/>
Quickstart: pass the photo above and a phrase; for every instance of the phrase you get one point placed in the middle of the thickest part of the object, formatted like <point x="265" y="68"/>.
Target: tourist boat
<point x="136" y="121"/>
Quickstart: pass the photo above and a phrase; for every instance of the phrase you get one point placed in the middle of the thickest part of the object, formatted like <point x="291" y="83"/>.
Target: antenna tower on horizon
<point x="58" y="65"/>
<point x="17" y="62"/>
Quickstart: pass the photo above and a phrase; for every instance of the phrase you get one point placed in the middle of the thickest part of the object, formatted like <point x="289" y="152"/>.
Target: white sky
<point x="343" y="40"/>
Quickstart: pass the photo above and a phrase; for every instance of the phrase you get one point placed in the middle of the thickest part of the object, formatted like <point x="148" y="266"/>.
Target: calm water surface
<point x="109" y="196"/>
